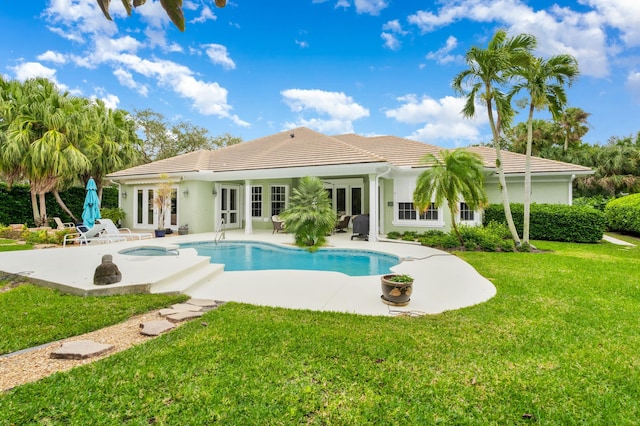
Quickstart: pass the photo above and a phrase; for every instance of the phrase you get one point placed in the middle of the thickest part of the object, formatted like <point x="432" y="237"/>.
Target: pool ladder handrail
<point x="219" y="232"/>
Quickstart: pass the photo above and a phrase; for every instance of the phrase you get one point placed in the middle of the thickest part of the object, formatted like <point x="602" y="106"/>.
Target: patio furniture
<point x="85" y="235"/>
<point x="361" y="227"/>
<point x="278" y="224"/>
<point x="111" y="230"/>
<point x="343" y="223"/>
<point x="63" y="225"/>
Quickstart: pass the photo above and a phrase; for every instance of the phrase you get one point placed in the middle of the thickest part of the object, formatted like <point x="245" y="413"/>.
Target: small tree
<point x="453" y="174"/>
<point x="162" y="199"/>
<point x="309" y="216"/>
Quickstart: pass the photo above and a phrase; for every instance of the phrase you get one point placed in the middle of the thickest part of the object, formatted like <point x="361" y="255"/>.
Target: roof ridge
<point x="357" y="148"/>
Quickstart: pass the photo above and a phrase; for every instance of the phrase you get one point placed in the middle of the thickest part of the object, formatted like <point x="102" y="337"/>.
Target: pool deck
<point x="442" y="281"/>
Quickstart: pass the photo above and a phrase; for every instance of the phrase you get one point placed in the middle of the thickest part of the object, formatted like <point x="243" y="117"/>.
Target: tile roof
<point x="302" y="147"/>
<point x="513" y="163"/>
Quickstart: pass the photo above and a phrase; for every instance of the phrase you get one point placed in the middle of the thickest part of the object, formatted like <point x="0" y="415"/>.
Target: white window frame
<point x="286" y="197"/>
<point x="477" y="216"/>
<point x="261" y="201"/>
<point x="417" y="222"/>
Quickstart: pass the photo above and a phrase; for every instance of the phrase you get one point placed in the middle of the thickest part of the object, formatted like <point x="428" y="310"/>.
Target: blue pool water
<point x="254" y="256"/>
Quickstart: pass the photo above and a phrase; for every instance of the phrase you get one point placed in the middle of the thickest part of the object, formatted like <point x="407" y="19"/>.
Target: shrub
<point x="555" y="222"/>
<point x="598" y="202"/>
<point x="623" y="214"/>
<point x="393" y="235"/>
<point x="440" y="240"/>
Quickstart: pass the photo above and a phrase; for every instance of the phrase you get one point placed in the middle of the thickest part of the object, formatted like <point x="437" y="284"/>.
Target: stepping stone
<point x="167" y="311"/>
<point x="80" y="349"/>
<point x="205" y="303"/>
<point x="183" y="316"/>
<point x="155" y="328"/>
<point x="183" y="307"/>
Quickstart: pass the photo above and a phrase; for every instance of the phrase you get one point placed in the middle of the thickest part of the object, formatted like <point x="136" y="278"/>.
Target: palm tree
<point x="42" y="140"/>
<point x="544" y="81"/>
<point x="309" y="216"/>
<point x="573" y="122"/>
<point x="490" y="69"/>
<point x="452" y="174"/>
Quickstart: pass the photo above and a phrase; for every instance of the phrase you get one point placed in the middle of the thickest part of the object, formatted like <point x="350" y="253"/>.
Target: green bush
<point x="554" y="222"/>
<point x="440" y="240"/>
<point x="598" y="202"/>
<point x="623" y="214"/>
<point x="393" y="235"/>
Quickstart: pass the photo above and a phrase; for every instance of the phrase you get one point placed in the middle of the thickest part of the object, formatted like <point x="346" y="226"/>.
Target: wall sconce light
<point x="124" y="194"/>
<point x="214" y="192"/>
<point x="185" y="192"/>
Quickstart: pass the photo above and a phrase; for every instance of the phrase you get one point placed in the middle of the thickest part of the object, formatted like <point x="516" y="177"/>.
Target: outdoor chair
<point x="63" y="225"/>
<point x="85" y="235"/>
<point x="111" y="230"/>
<point x="342" y="224"/>
<point x="278" y="224"/>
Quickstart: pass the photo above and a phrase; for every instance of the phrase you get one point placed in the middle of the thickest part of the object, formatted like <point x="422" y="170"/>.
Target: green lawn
<point x="559" y="344"/>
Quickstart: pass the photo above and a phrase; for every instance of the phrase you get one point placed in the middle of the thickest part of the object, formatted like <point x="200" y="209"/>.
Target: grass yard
<point x="559" y="344"/>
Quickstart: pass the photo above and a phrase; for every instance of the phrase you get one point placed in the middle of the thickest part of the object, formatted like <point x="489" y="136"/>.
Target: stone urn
<point x="396" y="289"/>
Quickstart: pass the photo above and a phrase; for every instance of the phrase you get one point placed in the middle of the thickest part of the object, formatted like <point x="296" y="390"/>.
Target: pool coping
<point x="442" y="281"/>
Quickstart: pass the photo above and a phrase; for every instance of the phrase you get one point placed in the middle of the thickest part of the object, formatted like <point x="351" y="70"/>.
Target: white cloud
<point x="391" y="42"/>
<point x="51" y="56"/>
<point x="154" y="14"/>
<point x="443" y="56"/>
<point x="340" y="109"/>
<point x="126" y="79"/>
<point x="559" y="30"/>
<point x="302" y="44"/>
<point x="624" y="15"/>
<point x="633" y="84"/>
<point x="205" y="15"/>
<point x="219" y="55"/>
<point x="82" y="17"/>
<point x="441" y="118"/>
<point x="110" y="101"/>
<point x="26" y="70"/>
<point x="371" y="7"/>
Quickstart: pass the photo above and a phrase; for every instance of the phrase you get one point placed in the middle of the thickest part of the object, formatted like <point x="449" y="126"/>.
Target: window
<point x="406" y="211"/>
<point x="466" y="214"/>
<point x="408" y="215"/>
<point x="278" y="199"/>
<point x="430" y="214"/>
<point x="256" y="201"/>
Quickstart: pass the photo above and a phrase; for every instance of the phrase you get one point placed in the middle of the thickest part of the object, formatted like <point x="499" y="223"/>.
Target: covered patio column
<point x="248" y="222"/>
<point x="373" y="208"/>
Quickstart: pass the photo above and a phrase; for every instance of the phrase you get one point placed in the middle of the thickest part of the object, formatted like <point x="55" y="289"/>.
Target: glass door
<point x="229" y="206"/>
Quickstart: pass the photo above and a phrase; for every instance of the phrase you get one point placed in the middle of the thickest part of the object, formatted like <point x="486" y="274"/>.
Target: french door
<point x="146" y="211"/>
<point x="229" y="206"/>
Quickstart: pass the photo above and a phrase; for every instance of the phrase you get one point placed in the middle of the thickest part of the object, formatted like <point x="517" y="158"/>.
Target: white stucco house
<point x="247" y="183"/>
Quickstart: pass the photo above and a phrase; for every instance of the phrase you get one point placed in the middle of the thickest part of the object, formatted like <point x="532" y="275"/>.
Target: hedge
<point x="15" y="203"/>
<point x="623" y="214"/>
<point x="554" y="222"/>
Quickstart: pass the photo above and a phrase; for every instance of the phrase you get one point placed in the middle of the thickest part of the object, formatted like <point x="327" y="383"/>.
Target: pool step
<point x="182" y="280"/>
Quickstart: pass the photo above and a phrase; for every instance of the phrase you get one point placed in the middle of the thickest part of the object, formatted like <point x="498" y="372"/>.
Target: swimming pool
<point x="255" y="256"/>
<point x="150" y="251"/>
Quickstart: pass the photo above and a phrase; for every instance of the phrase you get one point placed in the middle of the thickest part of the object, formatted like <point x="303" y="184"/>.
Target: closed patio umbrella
<point x="91" y="209"/>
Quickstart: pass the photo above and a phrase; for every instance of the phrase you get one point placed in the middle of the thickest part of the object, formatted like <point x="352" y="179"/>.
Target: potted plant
<point x="396" y="289"/>
<point x="162" y="201"/>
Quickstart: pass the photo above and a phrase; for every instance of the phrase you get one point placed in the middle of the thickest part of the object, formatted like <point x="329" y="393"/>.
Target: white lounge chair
<point x="63" y="225"/>
<point x="85" y="235"/>
<point x="112" y="230"/>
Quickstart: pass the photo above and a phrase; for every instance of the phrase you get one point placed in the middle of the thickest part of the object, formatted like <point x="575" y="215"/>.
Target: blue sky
<point x="370" y="67"/>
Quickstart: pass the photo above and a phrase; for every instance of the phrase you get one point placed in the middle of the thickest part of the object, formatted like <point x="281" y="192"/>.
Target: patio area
<point x="442" y="281"/>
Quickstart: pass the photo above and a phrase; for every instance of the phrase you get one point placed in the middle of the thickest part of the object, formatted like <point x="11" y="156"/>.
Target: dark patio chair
<point x="343" y="223"/>
<point x="278" y="224"/>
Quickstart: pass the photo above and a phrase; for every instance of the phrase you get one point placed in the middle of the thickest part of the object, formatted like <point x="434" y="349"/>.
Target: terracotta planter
<point x="395" y="293"/>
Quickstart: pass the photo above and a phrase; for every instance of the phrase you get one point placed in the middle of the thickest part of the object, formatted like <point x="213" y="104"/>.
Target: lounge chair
<point x="111" y="230"/>
<point x="342" y="224"/>
<point x="85" y="235"/>
<point x="278" y="224"/>
<point x="63" y="225"/>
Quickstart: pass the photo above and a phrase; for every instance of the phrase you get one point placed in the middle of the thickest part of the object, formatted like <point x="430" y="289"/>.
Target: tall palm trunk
<point x="495" y="130"/>
<point x="527" y="177"/>
<point x="62" y="205"/>
<point x="44" y="221"/>
<point x="34" y="207"/>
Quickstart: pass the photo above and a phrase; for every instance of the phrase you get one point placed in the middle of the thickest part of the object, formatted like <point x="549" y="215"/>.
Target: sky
<point x="371" y="67"/>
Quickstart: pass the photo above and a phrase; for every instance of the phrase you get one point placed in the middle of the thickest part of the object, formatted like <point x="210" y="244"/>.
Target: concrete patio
<point x="442" y="281"/>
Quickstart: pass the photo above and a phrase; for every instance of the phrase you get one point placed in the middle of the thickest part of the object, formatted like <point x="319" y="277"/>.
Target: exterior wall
<point x="264" y="221"/>
<point x="544" y="189"/>
<point x="197" y="208"/>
